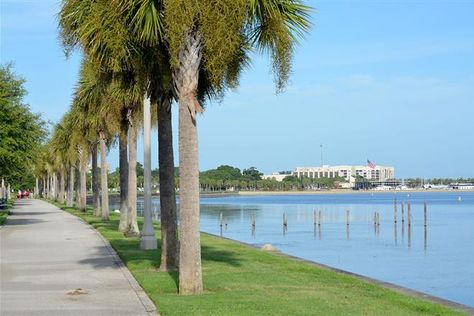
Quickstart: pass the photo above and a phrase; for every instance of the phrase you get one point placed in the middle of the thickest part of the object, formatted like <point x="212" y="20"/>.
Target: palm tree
<point x="216" y="35"/>
<point x="80" y="149"/>
<point x="91" y="29"/>
<point x="100" y="33"/>
<point x="95" y="95"/>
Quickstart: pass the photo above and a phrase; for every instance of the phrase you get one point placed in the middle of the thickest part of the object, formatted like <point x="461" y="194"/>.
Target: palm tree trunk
<point x="186" y="83"/>
<point x="103" y="177"/>
<point x="95" y="182"/>
<point x="53" y="180"/>
<point x="82" y="181"/>
<point x="47" y="186"/>
<point x="77" y="175"/>
<point x="132" y="226"/>
<point x="123" y="166"/>
<point x="61" y="187"/>
<point x="169" y="220"/>
<point x="70" y="188"/>
<point x="56" y="186"/>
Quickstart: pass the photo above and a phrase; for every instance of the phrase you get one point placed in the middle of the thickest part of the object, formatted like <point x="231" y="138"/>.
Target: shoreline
<point x="347" y="191"/>
<point x="391" y="286"/>
<point x="361" y="294"/>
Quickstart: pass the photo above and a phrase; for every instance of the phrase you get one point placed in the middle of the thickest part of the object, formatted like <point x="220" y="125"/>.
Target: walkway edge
<point x="141" y="294"/>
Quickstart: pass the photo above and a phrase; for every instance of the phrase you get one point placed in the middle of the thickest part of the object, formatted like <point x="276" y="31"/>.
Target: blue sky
<point x="389" y="81"/>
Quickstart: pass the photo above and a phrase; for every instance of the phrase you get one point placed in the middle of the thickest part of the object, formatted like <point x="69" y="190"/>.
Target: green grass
<point x="4" y="213"/>
<point x="241" y="280"/>
<point x="3" y="216"/>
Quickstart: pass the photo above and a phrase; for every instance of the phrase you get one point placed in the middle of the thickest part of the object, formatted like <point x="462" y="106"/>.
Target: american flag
<point x="370" y="164"/>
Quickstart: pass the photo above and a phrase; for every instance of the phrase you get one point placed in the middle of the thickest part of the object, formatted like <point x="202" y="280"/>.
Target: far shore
<point x="346" y="191"/>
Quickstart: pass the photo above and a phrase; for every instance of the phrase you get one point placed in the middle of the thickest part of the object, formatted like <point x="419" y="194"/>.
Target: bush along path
<point x="241" y="280"/>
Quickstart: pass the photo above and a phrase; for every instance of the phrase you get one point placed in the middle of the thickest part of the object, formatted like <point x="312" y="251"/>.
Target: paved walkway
<point x="51" y="263"/>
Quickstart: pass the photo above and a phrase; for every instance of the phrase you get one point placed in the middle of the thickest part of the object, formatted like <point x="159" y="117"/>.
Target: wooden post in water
<point x="425" y="239"/>
<point x="319" y="221"/>
<point x="285" y="223"/>
<point x="409" y="234"/>
<point x="347" y="217"/>
<point x="395" y="211"/>
<point x="314" y="223"/>
<point x="221" y="223"/>
<point x="403" y="213"/>
<point x="254" y="222"/>
<point x="409" y="214"/>
<point x="425" y="211"/>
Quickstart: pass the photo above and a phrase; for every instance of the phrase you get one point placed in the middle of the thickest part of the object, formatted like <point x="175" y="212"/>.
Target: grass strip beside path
<point x="241" y="280"/>
<point x="5" y="212"/>
<point x="3" y="216"/>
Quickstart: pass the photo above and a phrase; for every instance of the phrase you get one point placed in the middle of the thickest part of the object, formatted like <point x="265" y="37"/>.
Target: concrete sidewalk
<point x="51" y="263"/>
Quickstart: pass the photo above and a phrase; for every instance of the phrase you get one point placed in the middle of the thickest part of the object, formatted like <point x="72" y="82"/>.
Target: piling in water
<point x="319" y="219"/>
<point x="425" y="211"/>
<point x="403" y="213"/>
<point x="395" y="211"/>
<point x="221" y="223"/>
<point x="347" y="217"/>
<point x="254" y="222"/>
<point x="409" y="214"/>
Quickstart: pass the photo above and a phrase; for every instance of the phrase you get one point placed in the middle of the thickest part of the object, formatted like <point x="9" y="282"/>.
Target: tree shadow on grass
<point x="218" y="255"/>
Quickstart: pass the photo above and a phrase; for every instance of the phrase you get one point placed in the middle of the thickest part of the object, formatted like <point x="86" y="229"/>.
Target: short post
<point x="403" y="213"/>
<point x="221" y="224"/>
<point x="347" y="217"/>
<point x="409" y="214"/>
<point x="395" y="211"/>
<point x="320" y="216"/>
<point x="425" y="211"/>
<point x="254" y="222"/>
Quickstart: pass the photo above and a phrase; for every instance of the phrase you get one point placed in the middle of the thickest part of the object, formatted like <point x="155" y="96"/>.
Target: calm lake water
<point x="438" y="260"/>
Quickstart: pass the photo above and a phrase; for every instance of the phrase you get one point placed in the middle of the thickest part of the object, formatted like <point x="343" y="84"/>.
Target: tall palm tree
<point x="210" y="38"/>
<point x="79" y="148"/>
<point x="103" y="116"/>
<point x="96" y="27"/>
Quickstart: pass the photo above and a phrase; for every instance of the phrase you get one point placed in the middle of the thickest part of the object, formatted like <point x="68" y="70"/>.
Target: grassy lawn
<point x="241" y="280"/>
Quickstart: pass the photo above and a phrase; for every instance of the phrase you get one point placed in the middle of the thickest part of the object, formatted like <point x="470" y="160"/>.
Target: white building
<point x="276" y="176"/>
<point x="462" y="186"/>
<point x="378" y="173"/>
